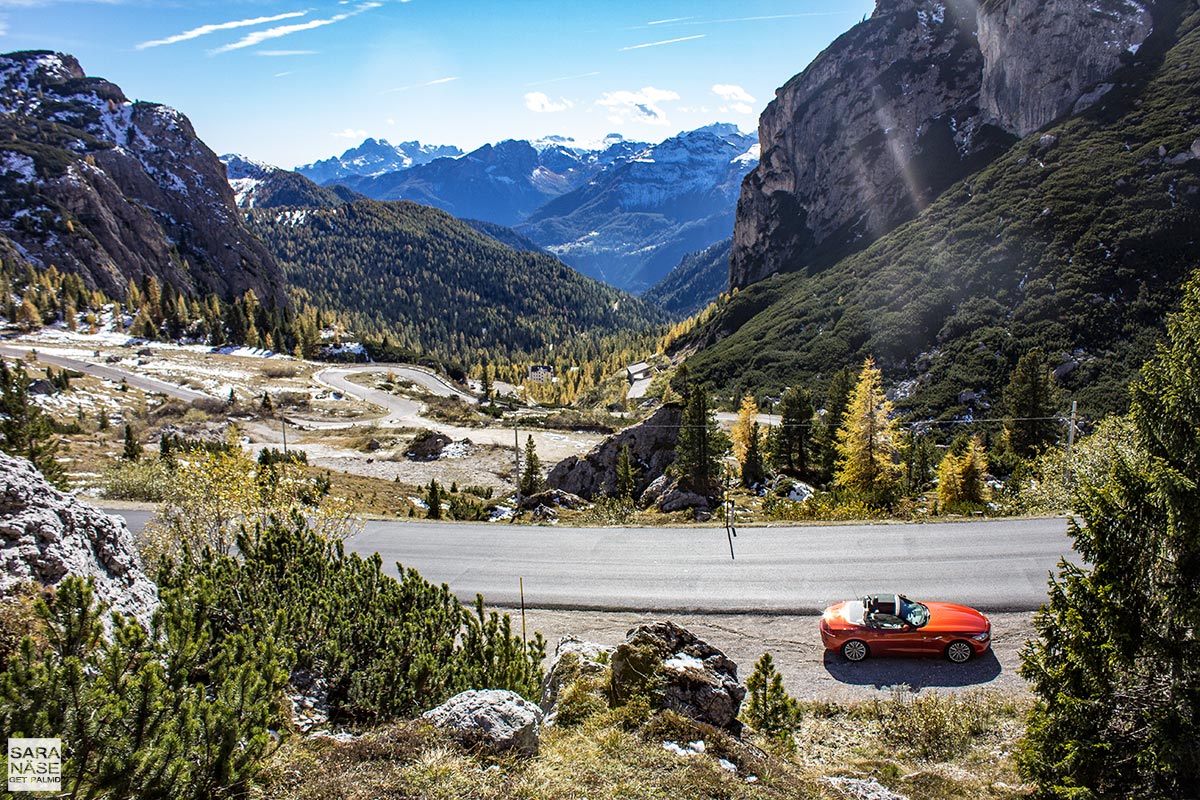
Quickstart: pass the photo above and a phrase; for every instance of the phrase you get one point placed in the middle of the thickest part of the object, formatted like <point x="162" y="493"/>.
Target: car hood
<point x="951" y="617"/>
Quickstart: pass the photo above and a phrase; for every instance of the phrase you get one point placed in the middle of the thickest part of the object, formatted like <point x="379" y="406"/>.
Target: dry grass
<point x="620" y="754"/>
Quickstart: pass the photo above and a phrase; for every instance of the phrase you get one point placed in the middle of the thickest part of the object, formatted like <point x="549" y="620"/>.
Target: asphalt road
<point x="399" y="409"/>
<point x="111" y="373"/>
<point x="996" y="565"/>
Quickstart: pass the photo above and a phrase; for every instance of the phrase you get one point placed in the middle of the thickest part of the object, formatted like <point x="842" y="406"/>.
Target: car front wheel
<point x="959" y="652"/>
<point x="855" y="650"/>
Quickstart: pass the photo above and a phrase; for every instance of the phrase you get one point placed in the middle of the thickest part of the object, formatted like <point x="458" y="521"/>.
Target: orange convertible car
<point x="893" y="625"/>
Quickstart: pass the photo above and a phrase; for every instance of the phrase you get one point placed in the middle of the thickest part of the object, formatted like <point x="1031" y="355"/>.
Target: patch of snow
<point x="751" y="156"/>
<point x="682" y="662"/>
<point x="20" y="164"/>
<point x="243" y="191"/>
<point x="690" y="749"/>
<point x="456" y="450"/>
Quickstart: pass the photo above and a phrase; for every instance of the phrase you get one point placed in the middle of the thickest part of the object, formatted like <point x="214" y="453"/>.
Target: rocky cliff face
<point x="1041" y="57"/>
<point x="47" y="535"/>
<point x="114" y="190"/>
<point x="651" y="444"/>
<point x="911" y="100"/>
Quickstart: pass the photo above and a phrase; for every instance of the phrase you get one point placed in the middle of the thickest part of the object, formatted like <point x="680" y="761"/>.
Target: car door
<point x="888" y="635"/>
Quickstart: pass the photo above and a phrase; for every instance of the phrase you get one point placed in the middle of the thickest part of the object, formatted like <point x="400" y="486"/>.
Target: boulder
<point x="677" y="500"/>
<point x="428" y="446"/>
<point x="42" y="386"/>
<point x="495" y="720"/>
<point x="651" y="444"/>
<point x="47" y="535"/>
<point x="654" y="491"/>
<point x="552" y="498"/>
<point x="681" y="672"/>
<point x="573" y="659"/>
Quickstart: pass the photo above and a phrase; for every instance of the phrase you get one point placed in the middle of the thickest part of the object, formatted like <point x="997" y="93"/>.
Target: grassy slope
<point x="1078" y="247"/>
<point x="435" y="284"/>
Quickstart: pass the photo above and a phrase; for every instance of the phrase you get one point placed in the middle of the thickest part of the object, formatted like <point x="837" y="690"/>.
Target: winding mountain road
<point x="110" y="373"/>
<point x="400" y="410"/>
<point x="994" y="565"/>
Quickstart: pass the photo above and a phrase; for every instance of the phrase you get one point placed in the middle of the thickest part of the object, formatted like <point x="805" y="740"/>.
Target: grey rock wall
<point x="908" y="102"/>
<point x="46" y="535"/>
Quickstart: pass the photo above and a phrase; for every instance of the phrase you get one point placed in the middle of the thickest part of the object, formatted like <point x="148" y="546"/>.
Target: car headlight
<point x="982" y="637"/>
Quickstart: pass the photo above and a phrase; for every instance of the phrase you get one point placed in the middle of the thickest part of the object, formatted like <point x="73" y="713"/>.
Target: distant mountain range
<point x="375" y="157"/>
<point x="620" y="211"/>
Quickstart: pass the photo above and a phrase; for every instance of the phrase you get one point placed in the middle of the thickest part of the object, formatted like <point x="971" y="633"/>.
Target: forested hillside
<point x="432" y="284"/>
<point x="1075" y="241"/>
<point x="696" y="281"/>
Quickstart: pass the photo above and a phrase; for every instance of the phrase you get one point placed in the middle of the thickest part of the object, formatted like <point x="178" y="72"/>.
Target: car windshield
<point x="913" y="613"/>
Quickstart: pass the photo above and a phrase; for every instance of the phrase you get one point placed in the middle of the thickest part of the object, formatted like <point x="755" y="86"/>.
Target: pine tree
<point x="752" y="467"/>
<point x="25" y="430"/>
<point x="1031" y="401"/>
<point x="794" y="447"/>
<point x="769" y="708"/>
<point x="700" y="444"/>
<point x="485" y="384"/>
<point x="837" y="399"/>
<point x="626" y="474"/>
<point x="867" y="455"/>
<point x="531" y="474"/>
<point x="919" y="455"/>
<point x="266" y="404"/>
<point x="133" y="448"/>
<point x="1116" y="664"/>
<point x="433" y="499"/>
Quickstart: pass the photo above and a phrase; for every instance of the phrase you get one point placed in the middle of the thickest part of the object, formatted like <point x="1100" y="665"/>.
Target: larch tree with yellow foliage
<point x="867" y="455"/>
<point x="961" y="476"/>
<point x="743" y="428"/>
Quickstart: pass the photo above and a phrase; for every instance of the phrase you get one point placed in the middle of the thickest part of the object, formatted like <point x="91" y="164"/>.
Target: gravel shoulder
<point x="809" y="673"/>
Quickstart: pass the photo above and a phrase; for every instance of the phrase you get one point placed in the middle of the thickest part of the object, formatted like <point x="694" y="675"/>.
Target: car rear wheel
<point x="959" y="652"/>
<point x="855" y="650"/>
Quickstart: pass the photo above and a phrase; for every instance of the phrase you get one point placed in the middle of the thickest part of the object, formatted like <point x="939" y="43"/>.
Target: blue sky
<point x="292" y="82"/>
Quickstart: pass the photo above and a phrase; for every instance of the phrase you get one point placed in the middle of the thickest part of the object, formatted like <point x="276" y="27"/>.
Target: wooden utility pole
<point x="517" y="461"/>
<point x="523" y="640"/>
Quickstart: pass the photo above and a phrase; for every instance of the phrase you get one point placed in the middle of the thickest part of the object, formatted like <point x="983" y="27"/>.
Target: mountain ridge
<point x="115" y="191"/>
<point x="1075" y="241"/>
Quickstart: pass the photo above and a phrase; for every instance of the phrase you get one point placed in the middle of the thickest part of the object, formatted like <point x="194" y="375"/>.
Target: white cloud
<point x="665" y="41"/>
<point x="204" y="30"/>
<point x="350" y="133"/>
<point x="737" y="100"/>
<point x="640" y="106"/>
<point x="732" y="93"/>
<point x="258" y="37"/>
<point x="668" y="21"/>
<point x="542" y="104"/>
<point x="3" y="27"/>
